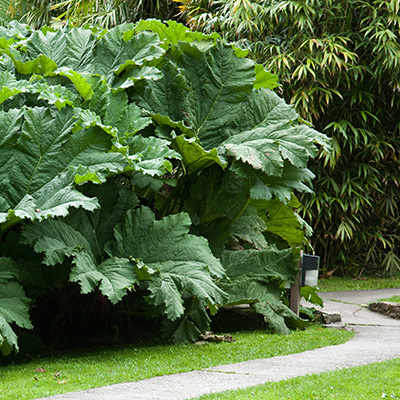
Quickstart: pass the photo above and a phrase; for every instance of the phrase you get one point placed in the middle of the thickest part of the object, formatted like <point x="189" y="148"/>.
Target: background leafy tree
<point x="5" y="15"/>
<point x="104" y="13"/>
<point x="338" y="63"/>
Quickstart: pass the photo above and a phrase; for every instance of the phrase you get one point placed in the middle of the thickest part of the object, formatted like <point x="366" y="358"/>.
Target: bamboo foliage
<point x="338" y="63"/>
<point x="5" y="15"/>
<point x="105" y="13"/>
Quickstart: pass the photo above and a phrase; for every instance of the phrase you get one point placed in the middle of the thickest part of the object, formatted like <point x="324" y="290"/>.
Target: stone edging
<point x="387" y="308"/>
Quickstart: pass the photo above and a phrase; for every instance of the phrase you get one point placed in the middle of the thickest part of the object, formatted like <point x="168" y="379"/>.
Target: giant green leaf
<point x="283" y="221"/>
<point x="278" y="316"/>
<point x="40" y="152"/>
<point x="252" y="275"/>
<point x="78" y="51"/>
<point x="156" y="242"/>
<point x="151" y="155"/>
<point x="269" y="263"/>
<point x="184" y="262"/>
<point x="177" y="277"/>
<point x="262" y="108"/>
<point x="206" y="92"/>
<point x="249" y="227"/>
<point x="14" y="307"/>
<point x="8" y="338"/>
<point x="218" y="82"/>
<point x="82" y="236"/>
<point x="265" y="187"/>
<point x="165" y="99"/>
<point x="113" y="276"/>
<point x="54" y="94"/>
<point x="127" y="118"/>
<point x="56" y="240"/>
<point x="51" y="44"/>
<point x="66" y="48"/>
<point x="190" y="325"/>
<point x="53" y="199"/>
<point x="9" y="86"/>
<point x="113" y="54"/>
<point x="194" y="157"/>
<point x="82" y="231"/>
<point x="267" y="148"/>
<point x="173" y="32"/>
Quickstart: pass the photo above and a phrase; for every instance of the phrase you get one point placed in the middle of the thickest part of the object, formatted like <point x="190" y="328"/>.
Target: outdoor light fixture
<point x="307" y="276"/>
<point x="309" y="270"/>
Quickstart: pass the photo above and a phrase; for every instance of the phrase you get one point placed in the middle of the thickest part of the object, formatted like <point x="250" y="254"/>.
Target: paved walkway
<point x="376" y="339"/>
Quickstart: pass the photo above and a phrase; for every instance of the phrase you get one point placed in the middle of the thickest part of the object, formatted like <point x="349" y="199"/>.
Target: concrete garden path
<point x="376" y="339"/>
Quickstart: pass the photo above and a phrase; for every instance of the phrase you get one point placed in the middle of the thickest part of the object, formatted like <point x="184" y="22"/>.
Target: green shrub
<point x="146" y="171"/>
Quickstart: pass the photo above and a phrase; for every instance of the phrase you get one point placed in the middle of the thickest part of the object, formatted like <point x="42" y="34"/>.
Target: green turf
<point x="335" y="284"/>
<point x="44" y="376"/>
<point x="374" y="381"/>
<point x="394" y="299"/>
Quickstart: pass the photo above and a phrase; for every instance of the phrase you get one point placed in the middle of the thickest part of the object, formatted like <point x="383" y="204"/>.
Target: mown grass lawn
<point x="374" y="381"/>
<point x="43" y="376"/>
<point x="335" y="284"/>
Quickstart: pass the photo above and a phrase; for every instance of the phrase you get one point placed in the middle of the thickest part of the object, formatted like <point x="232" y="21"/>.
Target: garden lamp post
<point x="309" y="270"/>
<point x="307" y="276"/>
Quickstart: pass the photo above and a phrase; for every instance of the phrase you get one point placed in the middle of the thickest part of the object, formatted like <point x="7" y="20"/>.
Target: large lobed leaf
<point x="14" y="306"/>
<point x="172" y="32"/>
<point x="264" y="264"/>
<point x="255" y="277"/>
<point x="76" y="51"/>
<point x="113" y="276"/>
<point x="150" y="156"/>
<point x="284" y="222"/>
<point x="205" y="104"/>
<point x="183" y="262"/>
<point x="41" y="152"/>
<point x="249" y="227"/>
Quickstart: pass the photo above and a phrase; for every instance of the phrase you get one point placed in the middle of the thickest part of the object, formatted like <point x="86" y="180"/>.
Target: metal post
<point x="294" y="297"/>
